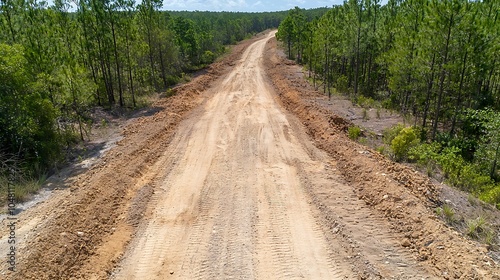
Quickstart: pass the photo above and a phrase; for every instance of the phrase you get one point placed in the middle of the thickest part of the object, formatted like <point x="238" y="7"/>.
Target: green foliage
<point x="27" y="117"/>
<point x="342" y="84"/>
<point x="426" y="156"/>
<point x="451" y="162"/>
<point x="478" y="229"/>
<point x="365" y="102"/>
<point x="56" y="64"/>
<point x="391" y="133"/>
<point x="457" y="171"/>
<point x="436" y="62"/>
<point x="292" y="32"/>
<point x="492" y="196"/>
<point x="488" y="154"/>
<point x="381" y="149"/>
<point x="403" y="142"/>
<point x="208" y="57"/>
<point x="23" y="190"/>
<point x="460" y="173"/>
<point x="354" y="132"/>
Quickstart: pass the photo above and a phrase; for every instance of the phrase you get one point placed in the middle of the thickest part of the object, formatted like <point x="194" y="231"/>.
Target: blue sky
<point x="245" y="5"/>
<point x="240" y="5"/>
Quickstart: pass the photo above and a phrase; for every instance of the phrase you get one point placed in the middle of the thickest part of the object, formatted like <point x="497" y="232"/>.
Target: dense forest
<point x="435" y="61"/>
<point x="55" y="64"/>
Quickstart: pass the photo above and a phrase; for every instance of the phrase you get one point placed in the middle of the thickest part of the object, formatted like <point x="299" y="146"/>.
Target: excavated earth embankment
<point x="403" y="198"/>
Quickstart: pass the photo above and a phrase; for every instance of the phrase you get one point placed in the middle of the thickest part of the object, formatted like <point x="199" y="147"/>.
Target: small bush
<point x="342" y="84"/>
<point x="492" y="196"/>
<point x="424" y="153"/>
<point x="403" y="142"/>
<point x="390" y="133"/>
<point x="208" y="57"/>
<point x="365" y="102"/>
<point x="354" y="132"/>
<point x="22" y="191"/>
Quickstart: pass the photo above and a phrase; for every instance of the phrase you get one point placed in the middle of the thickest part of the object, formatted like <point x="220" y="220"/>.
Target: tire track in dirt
<point x="232" y="206"/>
<point x="384" y="222"/>
<point x="82" y="230"/>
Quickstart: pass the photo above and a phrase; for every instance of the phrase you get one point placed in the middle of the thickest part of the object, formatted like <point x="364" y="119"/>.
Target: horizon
<point x="243" y="6"/>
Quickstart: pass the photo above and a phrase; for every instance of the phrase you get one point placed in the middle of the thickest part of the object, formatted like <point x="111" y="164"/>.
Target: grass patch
<point x="22" y="190"/>
<point x="481" y="230"/>
<point x="447" y="213"/>
<point x="381" y="149"/>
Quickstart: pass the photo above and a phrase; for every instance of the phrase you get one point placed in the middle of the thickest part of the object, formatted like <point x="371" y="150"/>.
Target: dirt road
<point x="233" y="204"/>
<point x="224" y="182"/>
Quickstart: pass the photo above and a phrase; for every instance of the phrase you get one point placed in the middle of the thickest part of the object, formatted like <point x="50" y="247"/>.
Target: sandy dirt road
<point x="233" y="204"/>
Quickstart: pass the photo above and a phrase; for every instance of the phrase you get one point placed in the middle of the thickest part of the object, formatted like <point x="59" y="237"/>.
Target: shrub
<point x="450" y="161"/>
<point x="342" y="84"/>
<point x="492" y="196"/>
<point x="354" y="132"/>
<point x="471" y="179"/>
<point x="381" y="149"/>
<point x="208" y="57"/>
<point x="424" y="153"/>
<point x="403" y="142"/>
<point x="365" y="102"/>
<point x="390" y="133"/>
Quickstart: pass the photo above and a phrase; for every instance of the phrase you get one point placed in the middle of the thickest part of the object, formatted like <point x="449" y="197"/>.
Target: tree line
<point x="57" y="62"/>
<point x="436" y="61"/>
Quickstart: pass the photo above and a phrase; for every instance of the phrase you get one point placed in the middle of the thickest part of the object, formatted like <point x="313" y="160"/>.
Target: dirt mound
<point x="404" y="197"/>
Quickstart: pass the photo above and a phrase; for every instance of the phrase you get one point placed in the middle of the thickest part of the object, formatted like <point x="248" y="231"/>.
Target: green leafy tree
<point x="27" y="117"/>
<point x="488" y="154"/>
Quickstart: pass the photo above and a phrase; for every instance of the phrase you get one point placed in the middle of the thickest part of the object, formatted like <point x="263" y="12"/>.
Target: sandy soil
<point x="396" y="194"/>
<point x="238" y="176"/>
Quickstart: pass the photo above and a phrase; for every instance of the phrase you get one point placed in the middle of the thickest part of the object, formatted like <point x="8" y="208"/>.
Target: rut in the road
<point x="233" y="204"/>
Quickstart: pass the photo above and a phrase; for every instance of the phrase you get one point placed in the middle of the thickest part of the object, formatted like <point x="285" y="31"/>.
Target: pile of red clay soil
<point x="403" y="196"/>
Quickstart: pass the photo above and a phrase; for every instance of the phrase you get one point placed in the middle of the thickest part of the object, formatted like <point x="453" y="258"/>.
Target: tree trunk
<point x="441" y="80"/>
<point x="117" y="60"/>
<point x="459" y="95"/>
<point x="428" y="95"/>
